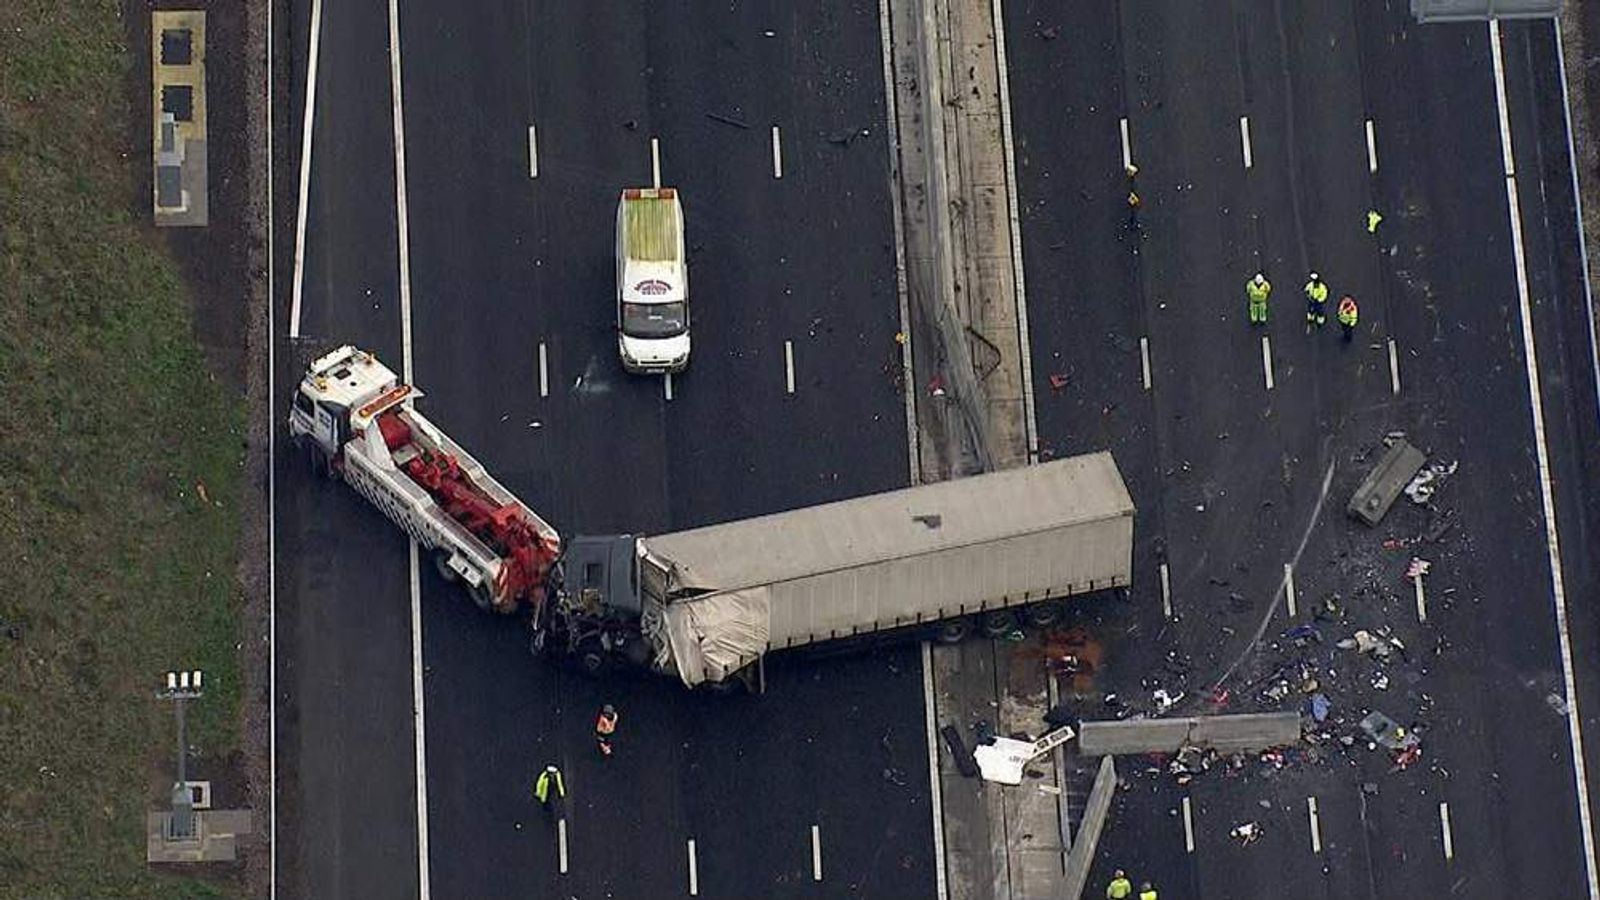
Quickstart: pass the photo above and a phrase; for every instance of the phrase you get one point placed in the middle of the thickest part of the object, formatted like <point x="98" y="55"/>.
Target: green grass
<point x="115" y="569"/>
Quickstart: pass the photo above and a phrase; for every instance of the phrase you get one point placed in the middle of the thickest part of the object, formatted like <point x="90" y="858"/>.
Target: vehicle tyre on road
<point x="998" y="623"/>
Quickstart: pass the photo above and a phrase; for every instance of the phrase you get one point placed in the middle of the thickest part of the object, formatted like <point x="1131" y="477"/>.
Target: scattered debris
<point x="1164" y="700"/>
<point x="1386" y="732"/>
<point x="1247" y="833"/>
<point x="1557" y="704"/>
<point x="1057" y="381"/>
<point x="1380" y="682"/>
<point x="727" y="120"/>
<point x="1417" y="568"/>
<point x="1422" y="486"/>
<point x="1320" y="707"/>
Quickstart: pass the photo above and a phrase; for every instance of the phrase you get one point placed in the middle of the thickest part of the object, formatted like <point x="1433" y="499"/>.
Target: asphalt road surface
<point x="1234" y="477"/>
<point x="1228" y="471"/>
<point x="502" y="263"/>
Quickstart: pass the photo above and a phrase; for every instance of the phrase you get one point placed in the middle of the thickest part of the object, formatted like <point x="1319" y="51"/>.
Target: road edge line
<point x="403" y="235"/>
<point x="1577" y="209"/>
<point x="312" y="55"/>
<point x="272" y="490"/>
<point x="935" y="789"/>
<point x="1546" y="496"/>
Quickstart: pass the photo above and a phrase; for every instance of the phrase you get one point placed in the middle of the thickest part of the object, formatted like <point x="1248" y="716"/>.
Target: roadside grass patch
<point x="120" y="462"/>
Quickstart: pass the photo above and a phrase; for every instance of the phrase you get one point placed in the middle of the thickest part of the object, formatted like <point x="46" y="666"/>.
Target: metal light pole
<point x="181" y="686"/>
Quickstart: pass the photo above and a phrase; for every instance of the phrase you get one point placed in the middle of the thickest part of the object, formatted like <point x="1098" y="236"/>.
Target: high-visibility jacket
<point x="1148" y="895"/>
<point x="605" y="724"/>
<point x="1258" y="293"/>
<point x="1348" y="314"/>
<point x="1119" y="888"/>
<point x="541" y="788"/>
<point x="1317" y="291"/>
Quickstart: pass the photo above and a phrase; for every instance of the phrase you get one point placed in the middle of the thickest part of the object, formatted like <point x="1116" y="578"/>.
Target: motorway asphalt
<point x="501" y="263"/>
<point x="1227" y="474"/>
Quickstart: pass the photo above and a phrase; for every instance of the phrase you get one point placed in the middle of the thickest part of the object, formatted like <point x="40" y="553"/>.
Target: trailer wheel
<point x="591" y="657"/>
<point x="953" y="631"/>
<point x="998" y="623"/>
<point x="1043" y="614"/>
<point x="441" y="561"/>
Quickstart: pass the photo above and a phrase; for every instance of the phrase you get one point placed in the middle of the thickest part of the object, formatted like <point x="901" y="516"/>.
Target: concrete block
<point x="1248" y="731"/>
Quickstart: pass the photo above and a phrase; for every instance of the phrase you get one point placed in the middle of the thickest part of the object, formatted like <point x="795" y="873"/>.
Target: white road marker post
<point x="694" y="871"/>
<point x="1316" y="827"/>
<point x="1188" y="827"/>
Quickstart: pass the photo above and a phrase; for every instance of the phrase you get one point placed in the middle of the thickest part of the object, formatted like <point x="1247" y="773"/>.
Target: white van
<point x="652" y="282"/>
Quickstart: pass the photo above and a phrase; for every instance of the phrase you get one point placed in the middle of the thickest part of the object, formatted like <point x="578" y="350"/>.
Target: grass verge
<point x="119" y="476"/>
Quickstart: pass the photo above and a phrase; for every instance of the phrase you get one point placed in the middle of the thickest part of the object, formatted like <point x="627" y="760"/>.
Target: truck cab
<point x="652" y="282"/>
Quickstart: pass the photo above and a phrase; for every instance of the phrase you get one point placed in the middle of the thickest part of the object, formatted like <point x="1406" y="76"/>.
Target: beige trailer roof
<point x="916" y="555"/>
<point x="917" y="521"/>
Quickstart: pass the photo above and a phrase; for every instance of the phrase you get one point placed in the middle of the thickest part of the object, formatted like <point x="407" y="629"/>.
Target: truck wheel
<point x="591" y="657"/>
<point x="441" y="561"/>
<point x="953" y="631"/>
<point x="998" y="623"/>
<point x="482" y="597"/>
<point x="1042" y="614"/>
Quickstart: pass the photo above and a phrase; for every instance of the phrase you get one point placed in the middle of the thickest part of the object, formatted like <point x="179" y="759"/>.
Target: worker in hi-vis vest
<point x="1258" y="289"/>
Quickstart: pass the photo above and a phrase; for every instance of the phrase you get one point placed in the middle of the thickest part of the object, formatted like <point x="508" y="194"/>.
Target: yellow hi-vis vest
<point x="1257" y="292"/>
<point x="1317" y="291"/>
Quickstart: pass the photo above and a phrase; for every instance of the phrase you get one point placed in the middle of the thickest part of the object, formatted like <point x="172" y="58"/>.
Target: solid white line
<point x="694" y="871"/>
<point x="1394" y="369"/>
<point x="1552" y="535"/>
<point x="1288" y="587"/>
<point x="544" y="372"/>
<point x="1188" y="827"/>
<point x="1018" y="276"/>
<point x="655" y="162"/>
<point x="777" y="153"/>
<point x="533" y="152"/>
<point x="816" y="853"/>
<point x="1244" y="139"/>
<point x="1500" y="98"/>
<point x="403" y="229"/>
<point x="1166" y="592"/>
<point x="1266" y="359"/>
<point x="1316" y="828"/>
<point x="935" y="789"/>
<point x="420" y="729"/>
<point x="788" y="366"/>
<point x="666" y="385"/>
<point x="1144" y="360"/>
<point x="1444" y="828"/>
<point x="1127" y="148"/>
<point x="1372" y="149"/>
<point x="561" y="844"/>
<point x="272" y="486"/>
<point x="1422" y="601"/>
<point x="1577" y="206"/>
<point x="305" y="168"/>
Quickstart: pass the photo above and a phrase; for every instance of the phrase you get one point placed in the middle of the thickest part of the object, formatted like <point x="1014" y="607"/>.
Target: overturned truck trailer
<point x="990" y="551"/>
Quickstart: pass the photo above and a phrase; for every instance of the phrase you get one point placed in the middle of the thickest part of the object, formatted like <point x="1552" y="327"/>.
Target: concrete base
<point x="216" y="831"/>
